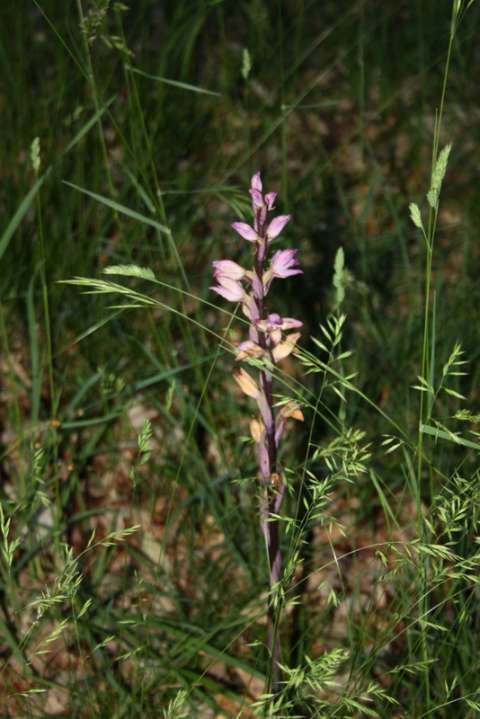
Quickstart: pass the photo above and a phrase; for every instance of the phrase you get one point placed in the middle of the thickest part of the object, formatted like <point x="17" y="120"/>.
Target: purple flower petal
<point x="250" y="308"/>
<point x="264" y="464"/>
<point x="245" y="231"/>
<point x="256" y="182"/>
<point x="289" y="323"/>
<point x="281" y="257"/>
<point x="292" y="272"/>
<point x="248" y="349"/>
<point x="277" y="225"/>
<point x="257" y="287"/>
<point x="228" y="268"/>
<point x="270" y="198"/>
<point x="284" y="264"/>
<point x="265" y="411"/>
<point x="230" y="289"/>
<point x="257" y="198"/>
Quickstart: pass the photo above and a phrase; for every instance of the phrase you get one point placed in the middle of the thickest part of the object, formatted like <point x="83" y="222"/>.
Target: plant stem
<point x="95" y="97"/>
<point x="426" y="370"/>
<point x="273" y="485"/>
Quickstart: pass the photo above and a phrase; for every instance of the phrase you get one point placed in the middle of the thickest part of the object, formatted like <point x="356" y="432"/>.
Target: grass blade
<point x="22" y="210"/>
<point x="122" y="209"/>
<point x="174" y="83"/>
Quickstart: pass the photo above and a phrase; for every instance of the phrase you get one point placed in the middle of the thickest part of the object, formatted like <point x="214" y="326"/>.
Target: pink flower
<point x="270" y="198"/>
<point x="283" y="349"/>
<point x="245" y="231"/>
<point x="284" y="263"/>
<point x="230" y="289"/>
<point x="257" y="199"/>
<point x="274" y="325"/>
<point x="246" y="383"/>
<point x="289" y="323"/>
<point x="250" y="308"/>
<point x="228" y="268"/>
<point x="277" y="225"/>
<point x="256" y="182"/>
<point x="274" y="319"/>
<point x="249" y="349"/>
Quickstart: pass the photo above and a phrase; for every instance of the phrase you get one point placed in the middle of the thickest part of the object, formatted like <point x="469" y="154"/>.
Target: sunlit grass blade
<point x="122" y="209"/>
<point x="174" y="83"/>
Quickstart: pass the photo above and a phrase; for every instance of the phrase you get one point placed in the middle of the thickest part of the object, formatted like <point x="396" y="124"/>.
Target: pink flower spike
<point x="284" y="263"/>
<point x="270" y="198"/>
<point x="245" y="231"/>
<point x="228" y="268"/>
<point x="230" y="289"/>
<point x="277" y="225"/>
<point x="256" y="182"/>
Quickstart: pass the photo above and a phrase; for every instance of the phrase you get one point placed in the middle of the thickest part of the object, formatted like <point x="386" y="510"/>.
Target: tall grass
<point x="133" y="579"/>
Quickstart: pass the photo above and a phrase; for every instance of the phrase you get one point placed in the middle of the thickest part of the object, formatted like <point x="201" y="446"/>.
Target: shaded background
<point x="335" y="102"/>
<point x="337" y="111"/>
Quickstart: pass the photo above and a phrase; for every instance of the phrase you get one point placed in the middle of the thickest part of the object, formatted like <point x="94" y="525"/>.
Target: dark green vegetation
<point x="113" y="418"/>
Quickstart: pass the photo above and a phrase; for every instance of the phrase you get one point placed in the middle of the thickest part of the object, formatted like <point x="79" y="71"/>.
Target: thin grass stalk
<point x="95" y="96"/>
<point x="425" y="403"/>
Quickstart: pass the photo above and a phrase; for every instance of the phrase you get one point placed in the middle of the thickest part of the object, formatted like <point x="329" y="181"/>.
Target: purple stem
<point x="272" y="481"/>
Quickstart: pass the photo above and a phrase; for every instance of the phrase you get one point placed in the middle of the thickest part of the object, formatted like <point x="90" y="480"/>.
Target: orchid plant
<point x="270" y="341"/>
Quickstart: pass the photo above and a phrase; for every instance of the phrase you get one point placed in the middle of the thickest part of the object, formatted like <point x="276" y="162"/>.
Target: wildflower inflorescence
<point x="271" y="339"/>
